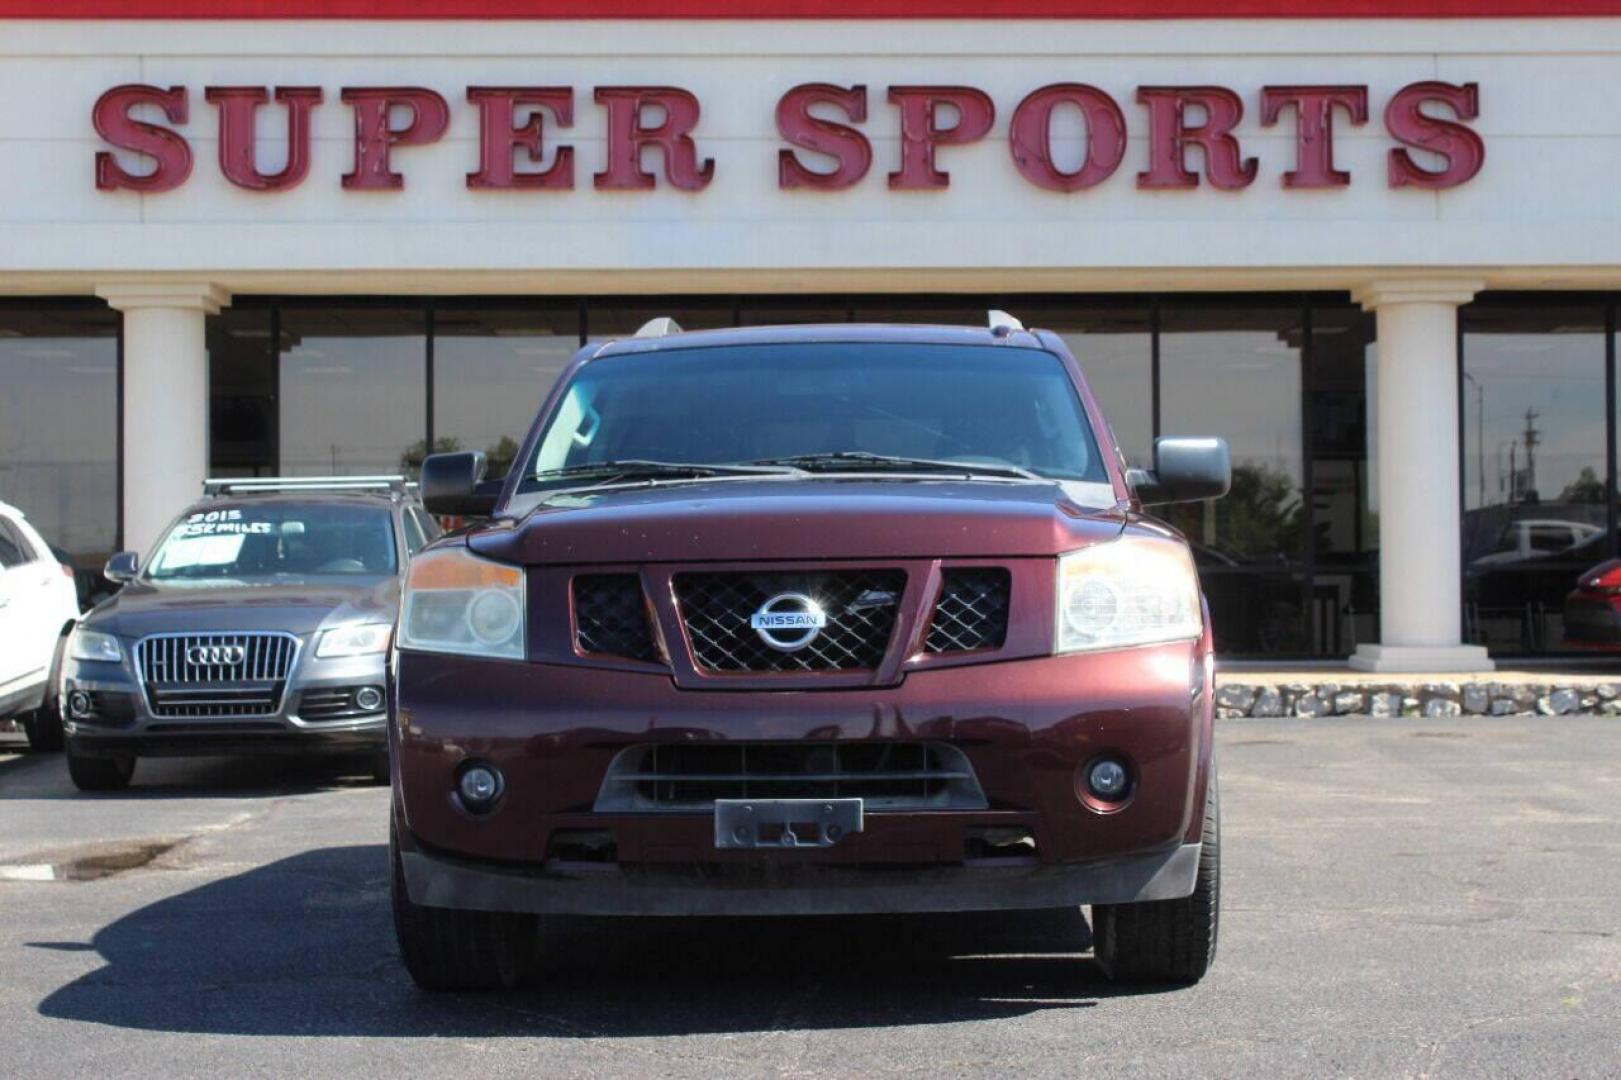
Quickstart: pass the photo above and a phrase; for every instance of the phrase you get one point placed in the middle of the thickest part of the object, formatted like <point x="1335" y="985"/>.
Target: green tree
<point x="1586" y="488"/>
<point x="499" y="457"/>
<point x="411" y="460"/>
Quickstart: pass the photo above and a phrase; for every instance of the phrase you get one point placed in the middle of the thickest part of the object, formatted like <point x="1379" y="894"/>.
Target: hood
<point x="296" y="605"/>
<point x="801" y="519"/>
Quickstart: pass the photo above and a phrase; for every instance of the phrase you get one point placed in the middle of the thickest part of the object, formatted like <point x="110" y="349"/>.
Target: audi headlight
<point x="1132" y="591"/>
<point x="363" y="640"/>
<point x="457" y="602"/>
<point x="90" y="645"/>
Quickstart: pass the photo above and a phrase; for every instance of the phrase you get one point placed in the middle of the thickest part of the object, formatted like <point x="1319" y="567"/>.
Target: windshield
<point x="966" y="404"/>
<point x="251" y="540"/>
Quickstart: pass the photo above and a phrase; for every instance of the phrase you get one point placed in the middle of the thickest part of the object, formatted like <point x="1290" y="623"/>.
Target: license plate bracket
<point x="785" y="823"/>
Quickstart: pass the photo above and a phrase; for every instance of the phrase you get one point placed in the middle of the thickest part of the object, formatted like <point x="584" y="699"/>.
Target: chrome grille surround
<point x="862" y="607"/>
<point x="886" y="775"/>
<point x="255" y="685"/>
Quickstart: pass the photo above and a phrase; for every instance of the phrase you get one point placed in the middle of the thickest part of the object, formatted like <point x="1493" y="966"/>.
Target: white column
<point x="165" y="400"/>
<point x="1420" y="530"/>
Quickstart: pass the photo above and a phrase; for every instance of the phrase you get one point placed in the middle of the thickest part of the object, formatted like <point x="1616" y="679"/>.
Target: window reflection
<point x="1235" y="372"/>
<point x="617" y="318"/>
<point x="1114" y="344"/>
<point x="491" y="371"/>
<point x="353" y="390"/>
<point x="241" y="393"/>
<point x="59" y="425"/>
<point x="1535" y="514"/>
<point x="1345" y="523"/>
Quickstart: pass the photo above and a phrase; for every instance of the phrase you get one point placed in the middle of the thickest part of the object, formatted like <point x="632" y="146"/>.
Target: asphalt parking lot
<point x="1402" y="898"/>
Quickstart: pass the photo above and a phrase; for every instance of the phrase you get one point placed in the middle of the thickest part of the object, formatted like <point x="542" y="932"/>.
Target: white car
<point x="38" y="607"/>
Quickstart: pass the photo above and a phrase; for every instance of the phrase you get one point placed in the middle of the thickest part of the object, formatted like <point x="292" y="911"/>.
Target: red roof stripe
<point x="793" y="9"/>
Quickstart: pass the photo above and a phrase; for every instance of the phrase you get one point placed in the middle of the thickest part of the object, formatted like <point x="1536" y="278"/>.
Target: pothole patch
<point x="89" y="864"/>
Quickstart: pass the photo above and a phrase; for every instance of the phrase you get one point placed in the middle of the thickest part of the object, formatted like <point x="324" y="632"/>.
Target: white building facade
<point x="1382" y="255"/>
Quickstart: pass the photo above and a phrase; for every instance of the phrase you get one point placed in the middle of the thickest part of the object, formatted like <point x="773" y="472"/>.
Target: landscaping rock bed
<point x="1236" y="698"/>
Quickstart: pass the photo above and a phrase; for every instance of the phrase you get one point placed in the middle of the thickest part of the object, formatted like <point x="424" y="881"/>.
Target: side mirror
<point x="1185" y="469"/>
<point x="122" y="567"/>
<point x="452" y="485"/>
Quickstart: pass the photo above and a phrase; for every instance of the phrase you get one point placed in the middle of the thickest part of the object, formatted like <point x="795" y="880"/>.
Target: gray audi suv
<point x="260" y="623"/>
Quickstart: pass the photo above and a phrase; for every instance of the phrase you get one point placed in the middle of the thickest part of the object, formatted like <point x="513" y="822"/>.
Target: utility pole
<point x="1480" y="437"/>
<point x="1532" y="437"/>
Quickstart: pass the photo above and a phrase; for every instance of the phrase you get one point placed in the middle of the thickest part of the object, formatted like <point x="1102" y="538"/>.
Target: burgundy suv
<point x="808" y="620"/>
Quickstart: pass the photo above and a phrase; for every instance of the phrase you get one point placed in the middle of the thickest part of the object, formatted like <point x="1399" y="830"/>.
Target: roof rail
<point x="1001" y="323"/>
<point x="663" y="326"/>
<point x="249" y="485"/>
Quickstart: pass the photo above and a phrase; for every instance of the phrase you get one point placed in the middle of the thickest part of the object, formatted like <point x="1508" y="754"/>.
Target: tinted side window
<point x="1550" y="538"/>
<point x="413" y="532"/>
<point x="14" y="550"/>
<point x="430" y="527"/>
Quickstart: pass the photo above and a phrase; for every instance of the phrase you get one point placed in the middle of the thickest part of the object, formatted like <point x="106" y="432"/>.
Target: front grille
<point x="972" y="612"/>
<point x="885" y="775"/>
<point x="610" y="617"/>
<point x="249" y="681"/>
<point x="860" y="605"/>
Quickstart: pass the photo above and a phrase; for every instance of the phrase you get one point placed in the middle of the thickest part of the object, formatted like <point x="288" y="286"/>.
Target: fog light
<point x="1107" y="779"/>
<point x="79" y="705"/>
<point x="368" y="698"/>
<point x="479" y="786"/>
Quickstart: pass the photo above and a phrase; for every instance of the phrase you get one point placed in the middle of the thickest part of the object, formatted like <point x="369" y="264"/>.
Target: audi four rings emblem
<point x="215" y="655"/>
<point x="788" y="621"/>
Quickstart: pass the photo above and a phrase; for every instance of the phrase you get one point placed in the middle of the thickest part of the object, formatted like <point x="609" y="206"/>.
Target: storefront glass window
<point x="491" y="371"/>
<point x="1344" y="601"/>
<point x="1534" y="491"/>
<point x="792" y="310"/>
<point x="616" y="318"/>
<point x="1235" y="371"/>
<point x="353" y="390"/>
<point x="59" y="424"/>
<point x="241" y="393"/>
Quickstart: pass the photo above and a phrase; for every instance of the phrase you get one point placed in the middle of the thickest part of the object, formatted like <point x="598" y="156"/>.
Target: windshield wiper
<point x="627" y="469"/>
<point x="863" y="461"/>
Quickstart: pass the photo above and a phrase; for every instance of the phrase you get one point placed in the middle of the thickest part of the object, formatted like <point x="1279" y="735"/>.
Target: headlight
<point x="90" y="645"/>
<point x="457" y="602"/>
<point x="1134" y="591"/>
<point x="354" y="641"/>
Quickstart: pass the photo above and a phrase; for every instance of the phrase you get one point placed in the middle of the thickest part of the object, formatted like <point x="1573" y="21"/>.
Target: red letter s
<point x="1463" y="148"/>
<point x="849" y="147"/>
<point x="167" y="148"/>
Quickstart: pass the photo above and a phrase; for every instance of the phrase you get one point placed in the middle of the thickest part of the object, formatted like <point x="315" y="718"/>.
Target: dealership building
<point x="1376" y="244"/>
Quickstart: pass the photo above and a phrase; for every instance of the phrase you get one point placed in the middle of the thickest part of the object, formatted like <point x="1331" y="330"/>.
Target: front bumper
<point x="794" y="888"/>
<point x="1027" y="726"/>
<point x="1593" y="621"/>
<point x="124" y="721"/>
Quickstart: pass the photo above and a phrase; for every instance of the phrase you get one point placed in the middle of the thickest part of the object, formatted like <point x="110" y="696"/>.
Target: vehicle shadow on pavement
<point x="304" y="946"/>
<point x="45" y="776"/>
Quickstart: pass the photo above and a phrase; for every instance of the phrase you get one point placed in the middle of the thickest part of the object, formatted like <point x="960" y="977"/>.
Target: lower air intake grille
<point x="886" y="775"/>
<point x="972" y="611"/>
<point x="860" y="606"/>
<point x="611" y="618"/>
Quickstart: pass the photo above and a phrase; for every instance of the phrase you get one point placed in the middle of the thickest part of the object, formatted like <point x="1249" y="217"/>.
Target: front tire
<point x="100" y="773"/>
<point x="44" y="725"/>
<point x="449" y="949"/>
<point x="1167" y="941"/>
